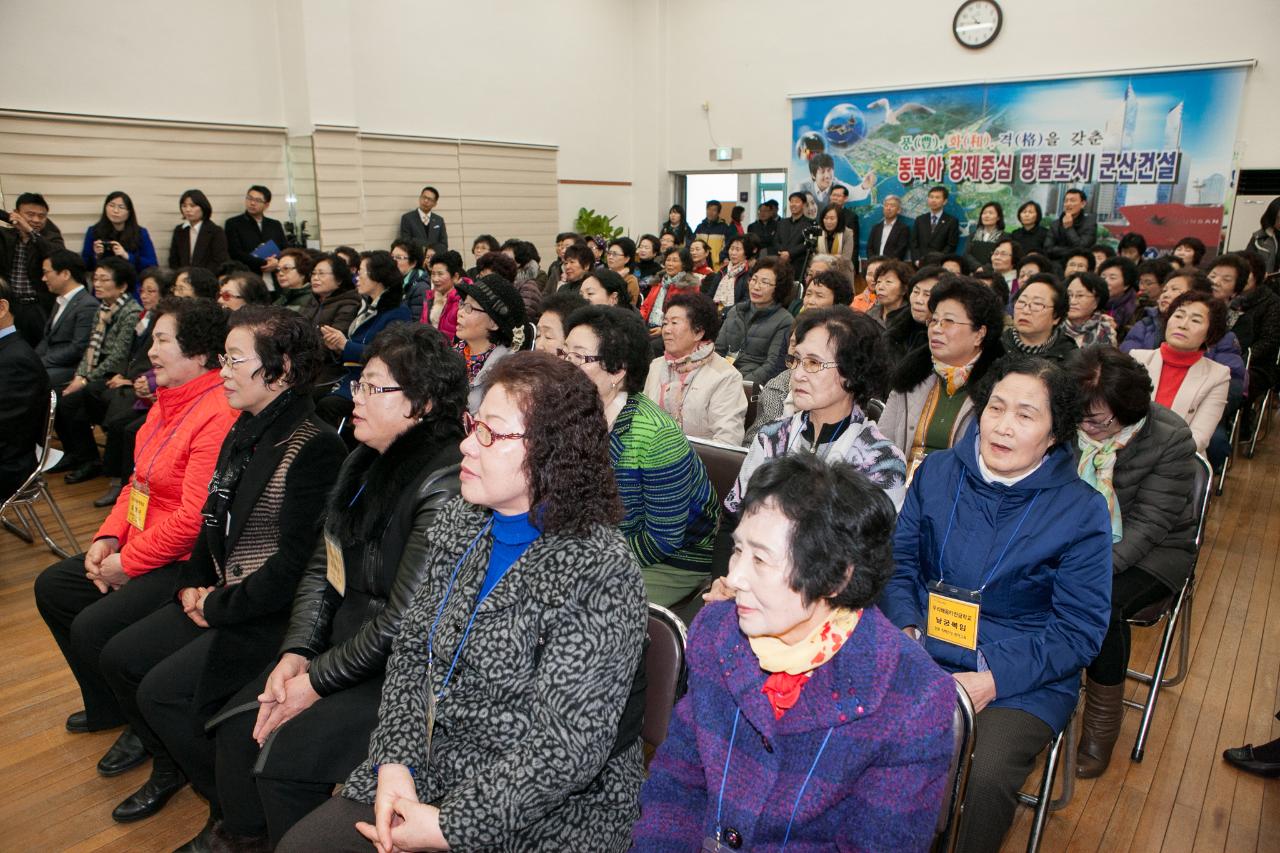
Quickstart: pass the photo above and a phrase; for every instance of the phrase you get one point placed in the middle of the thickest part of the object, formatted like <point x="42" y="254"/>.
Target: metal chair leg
<point x="1041" y="801"/>
<point x="61" y="519"/>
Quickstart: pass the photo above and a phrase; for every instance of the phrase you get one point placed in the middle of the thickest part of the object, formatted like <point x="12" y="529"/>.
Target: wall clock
<point x="977" y="23"/>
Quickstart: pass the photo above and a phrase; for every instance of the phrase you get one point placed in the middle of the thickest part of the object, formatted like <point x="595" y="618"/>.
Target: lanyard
<point x="169" y="437"/>
<point x="799" y="796"/>
<point x="955" y="502"/>
<point x="440" y="612"/>
<point x="817" y="433"/>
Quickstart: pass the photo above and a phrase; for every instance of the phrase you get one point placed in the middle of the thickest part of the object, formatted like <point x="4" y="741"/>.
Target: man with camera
<point x="27" y="237"/>
<point x="797" y="234"/>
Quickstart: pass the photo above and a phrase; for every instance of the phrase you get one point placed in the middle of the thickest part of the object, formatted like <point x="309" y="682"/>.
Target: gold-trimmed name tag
<point x="953" y="615"/>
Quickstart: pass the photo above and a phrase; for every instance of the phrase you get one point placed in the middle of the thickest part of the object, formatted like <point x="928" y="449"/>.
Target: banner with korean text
<point x="1153" y="151"/>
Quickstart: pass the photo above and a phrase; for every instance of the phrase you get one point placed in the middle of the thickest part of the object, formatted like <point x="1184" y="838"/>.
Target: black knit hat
<point x="501" y="301"/>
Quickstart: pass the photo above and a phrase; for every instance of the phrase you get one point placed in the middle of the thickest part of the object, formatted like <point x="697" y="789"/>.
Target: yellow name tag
<point x="952" y="620"/>
<point x="336" y="571"/>
<point x="139" y="497"/>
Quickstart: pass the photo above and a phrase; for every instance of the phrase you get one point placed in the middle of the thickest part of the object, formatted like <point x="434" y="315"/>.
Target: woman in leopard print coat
<point x="527" y="634"/>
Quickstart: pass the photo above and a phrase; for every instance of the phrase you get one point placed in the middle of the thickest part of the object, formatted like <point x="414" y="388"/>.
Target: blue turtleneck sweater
<point x="512" y="536"/>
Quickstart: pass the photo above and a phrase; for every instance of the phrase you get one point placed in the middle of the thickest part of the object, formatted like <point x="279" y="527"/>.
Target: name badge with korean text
<point x="953" y="615"/>
<point x="336" y="570"/>
<point x="139" y="497"/>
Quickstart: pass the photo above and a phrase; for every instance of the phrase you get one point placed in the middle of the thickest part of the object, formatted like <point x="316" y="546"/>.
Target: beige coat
<point x="715" y="406"/>
<point x="1202" y="396"/>
<point x="902" y="413"/>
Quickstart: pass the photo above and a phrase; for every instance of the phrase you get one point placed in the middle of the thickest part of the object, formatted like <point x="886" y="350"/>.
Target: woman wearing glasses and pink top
<point x="508" y="717"/>
<point x="351" y="599"/>
<point x="929" y="406"/>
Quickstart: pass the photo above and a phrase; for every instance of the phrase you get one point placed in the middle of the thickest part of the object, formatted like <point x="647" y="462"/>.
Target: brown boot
<point x="1103" y="713"/>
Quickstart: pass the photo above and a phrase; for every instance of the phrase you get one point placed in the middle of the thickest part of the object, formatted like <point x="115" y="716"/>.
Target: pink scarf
<point x="679" y="374"/>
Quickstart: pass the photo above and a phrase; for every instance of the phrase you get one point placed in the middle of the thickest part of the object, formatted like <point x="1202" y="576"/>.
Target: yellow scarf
<point x="811" y="652"/>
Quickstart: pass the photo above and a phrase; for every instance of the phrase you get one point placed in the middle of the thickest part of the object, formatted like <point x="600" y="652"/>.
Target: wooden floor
<point x="1182" y="797"/>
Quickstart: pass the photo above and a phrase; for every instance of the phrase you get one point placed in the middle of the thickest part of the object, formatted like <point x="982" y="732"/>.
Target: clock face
<point x="977" y="23"/>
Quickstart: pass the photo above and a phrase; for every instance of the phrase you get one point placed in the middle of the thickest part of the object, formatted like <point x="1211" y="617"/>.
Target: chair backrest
<point x="752" y="390"/>
<point x="875" y="408"/>
<point x="1202" y="487"/>
<point x="664" y="669"/>
<point x="963" y="734"/>
<point x="723" y="462"/>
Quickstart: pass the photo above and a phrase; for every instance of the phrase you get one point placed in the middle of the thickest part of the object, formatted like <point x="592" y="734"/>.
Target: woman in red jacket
<point x="131" y="567"/>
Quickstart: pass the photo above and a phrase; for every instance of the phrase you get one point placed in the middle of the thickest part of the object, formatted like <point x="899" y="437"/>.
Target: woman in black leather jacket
<point x="313" y="712"/>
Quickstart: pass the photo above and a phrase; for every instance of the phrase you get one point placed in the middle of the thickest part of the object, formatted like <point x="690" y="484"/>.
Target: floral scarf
<point x="475" y="363"/>
<point x="1097" y="468"/>
<point x="792" y="665"/>
<point x="1098" y="329"/>
<point x="954" y="377"/>
<point x="680" y="373"/>
<point x="728" y="282"/>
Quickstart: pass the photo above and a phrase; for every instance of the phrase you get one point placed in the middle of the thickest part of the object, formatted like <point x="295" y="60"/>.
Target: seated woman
<point x="171" y="669"/>
<point x="833" y="237"/>
<point x="811" y="554"/>
<point x="337" y="299"/>
<point x="241" y="288"/>
<point x="826" y="289"/>
<point x="1039" y="311"/>
<point x="195" y="283"/>
<point x="892" y="289"/>
<point x="414" y="284"/>
<point x="378" y="282"/>
<point x="1006" y="257"/>
<point x="703" y="263"/>
<point x="605" y="287"/>
<point x="1183" y="379"/>
<point x="555" y="310"/>
<point x="293" y="274"/>
<point x="132" y="566"/>
<point x="619" y="258"/>
<point x="647" y="265"/>
<point x="84" y="400"/>
<point x="1004" y="569"/>
<point x="1138" y="455"/>
<point x="755" y="332"/>
<point x="669" y="505"/>
<point x="1086" y="323"/>
<point x="691" y="381"/>
<point x="502" y="722"/>
<point x="729" y="286"/>
<point x="838" y="367"/>
<point x="677" y="277"/>
<point x="440" y="311"/>
<point x="490" y="327"/>
<point x="326" y="685"/>
<point x="930" y="404"/>
<point x="908" y="330"/>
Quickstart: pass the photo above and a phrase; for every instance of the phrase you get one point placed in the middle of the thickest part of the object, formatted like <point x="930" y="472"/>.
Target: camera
<point x="811" y="235"/>
<point x="4" y="215"/>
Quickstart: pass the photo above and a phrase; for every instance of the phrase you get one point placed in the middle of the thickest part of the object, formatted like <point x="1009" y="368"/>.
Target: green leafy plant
<point x="592" y="224"/>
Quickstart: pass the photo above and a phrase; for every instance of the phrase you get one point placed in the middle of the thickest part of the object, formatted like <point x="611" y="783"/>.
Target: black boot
<point x="202" y="842"/>
<point x="151" y="797"/>
<point x="109" y="496"/>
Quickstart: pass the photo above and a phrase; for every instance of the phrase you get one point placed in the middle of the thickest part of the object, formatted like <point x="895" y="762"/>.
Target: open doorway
<point x="748" y="189"/>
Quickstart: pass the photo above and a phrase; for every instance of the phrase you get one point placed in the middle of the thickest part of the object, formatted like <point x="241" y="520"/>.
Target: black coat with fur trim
<point x="378" y="512"/>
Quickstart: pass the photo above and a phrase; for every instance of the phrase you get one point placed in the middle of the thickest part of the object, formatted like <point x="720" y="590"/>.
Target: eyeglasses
<point x="756" y="279"/>
<point x="946" y="324"/>
<point x="256" y="199"/>
<point x="808" y="364"/>
<point x="576" y="357"/>
<point x="315" y="273"/>
<point x="614" y="253"/>
<point x="233" y="363"/>
<point x="117" y="206"/>
<point x="399" y="257"/>
<point x="1032" y="307"/>
<point x="227" y="296"/>
<point x="364" y="389"/>
<point x="1093" y="423"/>
<point x="468" y="308"/>
<point x="484" y="433"/>
<point x="283" y="268"/>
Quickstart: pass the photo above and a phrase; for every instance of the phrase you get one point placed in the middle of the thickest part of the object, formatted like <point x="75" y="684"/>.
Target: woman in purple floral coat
<point x="811" y="724"/>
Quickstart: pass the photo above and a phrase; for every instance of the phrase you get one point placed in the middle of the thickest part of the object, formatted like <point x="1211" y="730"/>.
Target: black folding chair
<point x="1062" y="754"/>
<point x="665" y="673"/>
<point x="1234" y="436"/>
<point x="723" y="462"/>
<point x="1175" y="610"/>
<point x="1262" y="414"/>
<point x="964" y="734"/>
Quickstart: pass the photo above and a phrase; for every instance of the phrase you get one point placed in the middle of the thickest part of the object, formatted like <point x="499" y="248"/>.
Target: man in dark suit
<point x="251" y="229"/>
<point x="891" y="236"/>
<point x="422" y="226"/>
<point x="24" y="401"/>
<point x="765" y="228"/>
<point x="791" y="243"/>
<point x="1075" y="229"/>
<point x="75" y="311"/>
<point x="24" y="244"/>
<point x="936" y="230"/>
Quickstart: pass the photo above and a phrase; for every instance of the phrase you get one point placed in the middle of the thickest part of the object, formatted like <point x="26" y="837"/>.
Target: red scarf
<point x="1176" y="365"/>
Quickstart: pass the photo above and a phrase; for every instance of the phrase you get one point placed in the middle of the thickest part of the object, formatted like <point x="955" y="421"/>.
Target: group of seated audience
<point x="320" y="481"/>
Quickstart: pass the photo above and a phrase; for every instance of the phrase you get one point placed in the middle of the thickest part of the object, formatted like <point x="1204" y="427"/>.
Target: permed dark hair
<point x="411" y="248"/>
<point x="981" y="305"/>
<point x="204" y="283"/>
<point x="201" y="324"/>
<point x="861" y="357"/>
<point x="1106" y="375"/>
<point x="1042" y="263"/>
<point x="431" y="373"/>
<point x="624" y="343"/>
<point x="699" y="309"/>
<point x="562" y="303"/>
<point x="1133" y="240"/>
<point x="1093" y="283"/>
<point x="339" y="268"/>
<point x="837" y="283"/>
<point x="280" y="334"/>
<point x="1217" y="315"/>
<point x="253" y="290"/>
<point x="450" y="260"/>
<point x="1065" y="406"/>
<point x="1060" y="302"/>
<point x="1128" y="270"/>
<point x="841" y="543"/>
<point x="572" y="487"/>
<point x="1236" y="263"/>
<point x="382" y="268"/>
<point x="499" y="264"/>
<point x="781" y="274"/>
<point x="122" y="272"/>
<point x="1196" y="245"/>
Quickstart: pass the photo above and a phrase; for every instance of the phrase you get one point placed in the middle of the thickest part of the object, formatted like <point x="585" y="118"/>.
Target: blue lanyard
<point x="799" y="796"/>
<point x="955" y="502"/>
<point x="440" y="612"/>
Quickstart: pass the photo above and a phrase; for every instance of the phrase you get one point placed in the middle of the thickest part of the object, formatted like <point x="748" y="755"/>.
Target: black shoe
<point x="78" y="723"/>
<point x="1244" y="758"/>
<point x="109" y="496"/>
<point x="64" y="464"/>
<point x="125" y="754"/>
<point x="85" y="472"/>
<point x="150" y="798"/>
<point x="202" y="843"/>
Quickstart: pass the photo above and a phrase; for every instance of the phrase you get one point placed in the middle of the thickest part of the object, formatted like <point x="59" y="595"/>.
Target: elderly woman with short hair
<point x="802" y="673"/>
<point x="690" y="380"/>
<point x="1039" y="311"/>
<point x="1139" y="455"/>
<point x="1087" y="324"/>
<point x="755" y="332"/>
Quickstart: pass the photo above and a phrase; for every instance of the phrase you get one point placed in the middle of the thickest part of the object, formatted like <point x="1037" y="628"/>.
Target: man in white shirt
<point x="891" y="237"/>
<point x="66" y="335"/>
<point x="424" y="227"/>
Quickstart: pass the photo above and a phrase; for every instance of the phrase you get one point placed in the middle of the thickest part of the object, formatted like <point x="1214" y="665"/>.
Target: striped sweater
<point x="671" y="510"/>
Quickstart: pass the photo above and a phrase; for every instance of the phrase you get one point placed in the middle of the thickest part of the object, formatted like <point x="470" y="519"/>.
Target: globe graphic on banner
<point x="844" y="125"/>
